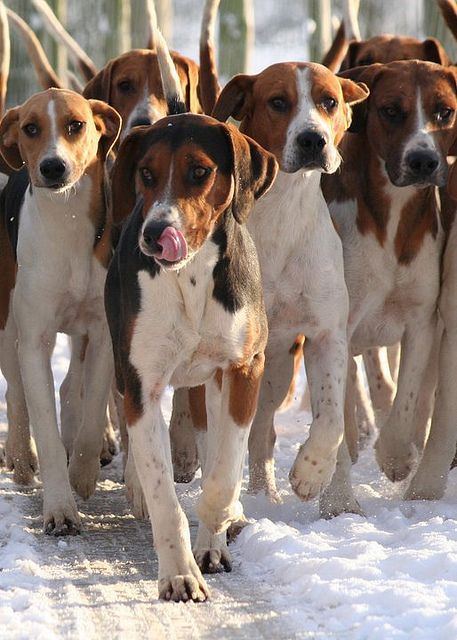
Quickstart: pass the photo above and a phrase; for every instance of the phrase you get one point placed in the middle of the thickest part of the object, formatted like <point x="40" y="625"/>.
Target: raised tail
<point x="208" y="84"/>
<point x="170" y="80"/>
<point x="5" y="55"/>
<point x="80" y="58"/>
<point x="152" y="23"/>
<point x="46" y="75"/>
<point x="449" y="12"/>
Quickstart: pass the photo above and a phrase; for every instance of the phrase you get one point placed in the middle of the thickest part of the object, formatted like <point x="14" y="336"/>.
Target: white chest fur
<point x="300" y="255"/>
<point x="57" y="270"/>
<point x="182" y="334"/>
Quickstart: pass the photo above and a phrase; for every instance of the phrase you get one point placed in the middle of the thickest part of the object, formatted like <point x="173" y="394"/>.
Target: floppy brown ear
<point x="234" y="98"/>
<point x="108" y="122"/>
<point x="9" y="138"/>
<point x="434" y="51"/>
<point x="349" y="58"/>
<point x="365" y="77"/>
<point x="123" y="189"/>
<point x="188" y="72"/>
<point x="254" y="171"/>
<point x="99" y="88"/>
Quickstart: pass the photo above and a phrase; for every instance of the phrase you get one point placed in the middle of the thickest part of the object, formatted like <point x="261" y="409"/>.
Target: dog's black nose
<point x="311" y="143"/>
<point x="422" y="163"/>
<point x="53" y="168"/>
<point x="152" y="232"/>
<point x="141" y="122"/>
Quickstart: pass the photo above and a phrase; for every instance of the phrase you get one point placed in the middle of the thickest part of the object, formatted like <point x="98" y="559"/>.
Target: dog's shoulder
<point x="236" y="273"/>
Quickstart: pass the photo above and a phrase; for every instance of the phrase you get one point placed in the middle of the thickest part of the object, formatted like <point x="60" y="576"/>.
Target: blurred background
<point x="251" y="33"/>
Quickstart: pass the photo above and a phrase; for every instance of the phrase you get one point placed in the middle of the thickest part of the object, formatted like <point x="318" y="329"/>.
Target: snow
<point x="391" y="574"/>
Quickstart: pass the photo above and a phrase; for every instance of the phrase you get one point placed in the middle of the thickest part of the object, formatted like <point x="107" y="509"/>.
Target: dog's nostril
<point x="53" y="168"/>
<point x="152" y="232"/>
<point x="311" y="141"/>
<point x="422" y="163"/>
<point x="141" y="122"/>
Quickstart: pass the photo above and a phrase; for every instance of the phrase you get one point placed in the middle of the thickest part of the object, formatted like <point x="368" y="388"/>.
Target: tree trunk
<point x="118" y="40"/>
<point x="236" y="36"/>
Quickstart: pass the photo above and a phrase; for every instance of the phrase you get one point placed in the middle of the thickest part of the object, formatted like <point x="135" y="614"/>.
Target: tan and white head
<point x="298" y="111"/>
<point x="58" y="134"/>
<point x="409" y="119"/>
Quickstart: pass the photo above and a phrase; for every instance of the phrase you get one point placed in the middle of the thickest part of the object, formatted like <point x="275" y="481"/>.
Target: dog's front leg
<point x="149" y="442"/>
<point x="396" y="451"/>
<point x="326" y="368"/>
<point x="279" y="364"/>
<point x="98" y="373"/>
<point x="35" y="344"/>
<point x="71" y="391"/>
<point x="182" y="438"/>
<point x="219" y="504"/>
<point x="20" y="451"/>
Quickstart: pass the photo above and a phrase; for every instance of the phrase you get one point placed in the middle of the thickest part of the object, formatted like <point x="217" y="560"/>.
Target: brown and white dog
<point x="131" y="83"/>
<point x="388" y="218"/>
<point x="55" y="214"/>
<point x="299" y="112"/>
<point x="185" y="307"/>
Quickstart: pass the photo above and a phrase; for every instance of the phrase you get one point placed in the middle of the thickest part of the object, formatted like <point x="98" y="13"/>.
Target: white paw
<point x="60" y="515"/>
<point x="334" y="503"/>
<point x="311" y="472"/>
<point x="218" y="519"/>
<point x="429" y="488"/>
<point x="262" y="480"/>
<point x="22" y="461"/>
<point x="83" y="472"/>
<point x="395" y="458"/>
<point x="211" y="552"/>
<point x="183" y="588"/>
<point x="135" y="495"/>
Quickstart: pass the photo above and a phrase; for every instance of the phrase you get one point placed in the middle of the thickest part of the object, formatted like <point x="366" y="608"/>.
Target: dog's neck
<point x="292" y="208"/>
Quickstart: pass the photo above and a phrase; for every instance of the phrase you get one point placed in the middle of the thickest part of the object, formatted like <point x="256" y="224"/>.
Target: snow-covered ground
<point x="392" y="574"/>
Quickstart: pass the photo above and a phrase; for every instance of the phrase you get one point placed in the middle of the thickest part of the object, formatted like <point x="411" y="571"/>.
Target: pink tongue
<point x="173" y="243"/>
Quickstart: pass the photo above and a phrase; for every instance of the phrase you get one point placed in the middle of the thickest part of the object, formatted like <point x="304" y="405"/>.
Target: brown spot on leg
<point x="133" y="408"/>
<point x="198" y="407"/>
<point x="244" y="389"/>
<point x="218" y="378"/>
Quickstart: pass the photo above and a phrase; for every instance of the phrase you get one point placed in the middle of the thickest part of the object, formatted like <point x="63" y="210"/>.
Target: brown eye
<point x="279" y="104"/>
<point x="31" y="130"/>
<point x="329" y="104"/>
<point x="199" y="174"/>
<point x="125" y="86"/>
<point x="146" y="176"/>
<point x="393" y="114"/>
<point x="444" y="114"/>
<point x="75" y="127"/>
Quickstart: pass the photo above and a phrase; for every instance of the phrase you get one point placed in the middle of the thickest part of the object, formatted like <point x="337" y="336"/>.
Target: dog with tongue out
<point x="185" y="308"/>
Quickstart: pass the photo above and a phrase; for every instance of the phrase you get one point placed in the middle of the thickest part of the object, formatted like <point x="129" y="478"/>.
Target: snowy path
<point x="390" y="575"/>
<point x="105" y="580"/>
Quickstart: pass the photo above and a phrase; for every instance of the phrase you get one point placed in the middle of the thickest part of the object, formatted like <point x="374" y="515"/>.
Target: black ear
<point x="254" y="170"/>
<point x="123" y="175"/>
<point x="366" y="77"/>
<point x="351" y="55"/>
<point x="234" y="98"/>
<point x="99" y="88"/>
